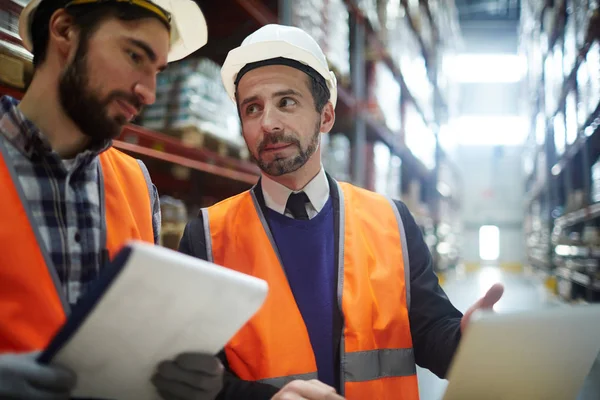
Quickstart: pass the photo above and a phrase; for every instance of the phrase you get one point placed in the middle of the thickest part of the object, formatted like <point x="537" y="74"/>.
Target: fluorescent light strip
<point x="485" y="68"/>
<point x="478" y="130"/>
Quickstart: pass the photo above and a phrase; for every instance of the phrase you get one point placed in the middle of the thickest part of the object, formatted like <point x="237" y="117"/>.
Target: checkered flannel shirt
<point x="63" y="197"/>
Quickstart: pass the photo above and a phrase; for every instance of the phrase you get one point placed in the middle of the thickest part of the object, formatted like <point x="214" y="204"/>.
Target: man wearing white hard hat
<point x="353" y="300"/>
<point x="69" y="200"/>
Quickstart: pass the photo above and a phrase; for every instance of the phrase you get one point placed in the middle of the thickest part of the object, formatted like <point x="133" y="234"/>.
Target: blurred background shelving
<point x="393" y="97"/>
<point x="560" y="41"/>
<point x="405" y="101"/>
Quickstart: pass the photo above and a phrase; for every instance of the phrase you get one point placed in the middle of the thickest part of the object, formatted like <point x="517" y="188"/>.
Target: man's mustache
<point x="277" y="138"/>
<point x="127" y="97"/>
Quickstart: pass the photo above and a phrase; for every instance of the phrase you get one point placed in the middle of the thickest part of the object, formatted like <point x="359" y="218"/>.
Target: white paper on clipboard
<point x="157" y="304"/>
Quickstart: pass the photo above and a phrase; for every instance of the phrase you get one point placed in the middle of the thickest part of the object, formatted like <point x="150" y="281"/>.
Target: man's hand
<point x="22" y="377"/>
<point x="485" y="303"/>
<point x="307" y="390"/>
<point x="191" y="376"/>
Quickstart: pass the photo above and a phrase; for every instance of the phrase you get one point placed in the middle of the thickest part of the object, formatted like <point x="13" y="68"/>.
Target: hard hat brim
<point x="25" y="23"/>
<point x="189" y="31"/>
<point x="239" y="57"/>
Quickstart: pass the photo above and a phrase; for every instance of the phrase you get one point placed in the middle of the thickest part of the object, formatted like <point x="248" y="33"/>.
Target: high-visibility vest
<point x="377" y="358"/>
<point x="32" y="305"/>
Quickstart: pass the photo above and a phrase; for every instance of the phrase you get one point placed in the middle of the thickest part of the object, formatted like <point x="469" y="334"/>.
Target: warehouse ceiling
<point x="488" y="10"/>
<point x="489" y="27"/>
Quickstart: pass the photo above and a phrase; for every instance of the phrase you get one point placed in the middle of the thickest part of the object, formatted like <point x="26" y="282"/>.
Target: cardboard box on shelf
<point x="190" y="96"/>
<point x="16" y="66"/>
<point x="16" y="63"/>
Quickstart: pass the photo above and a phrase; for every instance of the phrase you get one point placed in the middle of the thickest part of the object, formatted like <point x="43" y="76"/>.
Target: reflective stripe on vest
<point x="284" y="380"/>
<point x="365" y="366"/>
<point x="32" y="304"/>
<point x="377" y="359"/>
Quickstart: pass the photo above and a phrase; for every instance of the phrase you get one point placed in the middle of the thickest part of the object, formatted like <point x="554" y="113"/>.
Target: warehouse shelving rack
<point x="186" y="172"/>
<point x="562" y="216"/>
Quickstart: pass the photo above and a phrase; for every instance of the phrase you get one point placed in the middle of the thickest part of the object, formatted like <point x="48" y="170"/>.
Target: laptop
<point x="534" y="355"/>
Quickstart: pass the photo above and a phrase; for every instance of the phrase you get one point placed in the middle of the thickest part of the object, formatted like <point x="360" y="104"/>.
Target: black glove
<point x="191" y="376"/>
<point x="22" y="377"/>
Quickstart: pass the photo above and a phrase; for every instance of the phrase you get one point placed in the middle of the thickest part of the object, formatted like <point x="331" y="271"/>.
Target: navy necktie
<point x="296" y="205"/>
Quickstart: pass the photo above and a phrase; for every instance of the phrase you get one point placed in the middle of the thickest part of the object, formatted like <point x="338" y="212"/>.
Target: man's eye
<point x="135" y="57"/>
<point x="287" y="102"/>
<point x="251" y="109"/>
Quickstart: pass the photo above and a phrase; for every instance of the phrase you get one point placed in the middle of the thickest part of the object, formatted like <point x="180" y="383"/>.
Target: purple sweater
<point x="307" y="253"/>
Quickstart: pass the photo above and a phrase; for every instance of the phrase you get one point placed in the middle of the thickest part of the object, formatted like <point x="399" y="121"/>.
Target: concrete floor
<point x="523" y="291"/>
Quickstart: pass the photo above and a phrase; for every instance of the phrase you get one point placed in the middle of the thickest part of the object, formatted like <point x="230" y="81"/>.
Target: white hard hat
<point x="188" y="25"/>
<point x="277" y="41"/>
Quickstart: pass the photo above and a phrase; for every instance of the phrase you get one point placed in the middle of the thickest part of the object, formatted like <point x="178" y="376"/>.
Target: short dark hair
<point x="320" y="93"/>
<point x="87" y="18"/>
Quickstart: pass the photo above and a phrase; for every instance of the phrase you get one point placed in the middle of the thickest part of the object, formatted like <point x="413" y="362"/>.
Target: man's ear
<point x="327" y="117"/>
<point x="63" y="34"/>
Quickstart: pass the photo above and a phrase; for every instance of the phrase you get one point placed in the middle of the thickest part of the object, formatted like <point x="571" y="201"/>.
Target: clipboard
<point x="149" y="305"/>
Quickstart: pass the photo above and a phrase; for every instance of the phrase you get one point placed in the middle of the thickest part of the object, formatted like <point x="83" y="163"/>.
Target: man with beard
<point x="69" y="200"/>
<point x="354" y="304"/>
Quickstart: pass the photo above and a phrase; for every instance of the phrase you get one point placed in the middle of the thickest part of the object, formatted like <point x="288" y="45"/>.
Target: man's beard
<point x="85" y="106"/>
<point x="286" y="165"/>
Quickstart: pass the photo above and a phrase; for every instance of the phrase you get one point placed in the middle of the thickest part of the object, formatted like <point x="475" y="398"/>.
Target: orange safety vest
<point x="32" y="305"/>
<point x="377" y="358"/>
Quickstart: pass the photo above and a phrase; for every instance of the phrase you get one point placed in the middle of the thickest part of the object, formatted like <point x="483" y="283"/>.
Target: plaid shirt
<point x="64" y="199"/>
